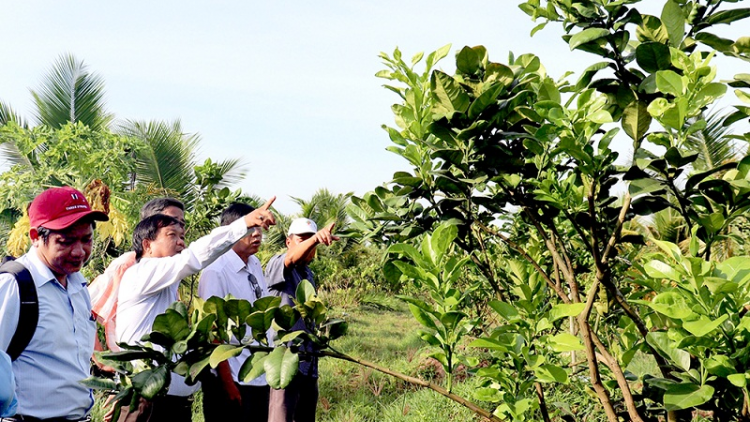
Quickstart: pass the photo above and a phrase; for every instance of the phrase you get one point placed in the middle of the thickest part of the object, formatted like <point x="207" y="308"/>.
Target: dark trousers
<point x="166" y="408"/>
<point x="218" y="408"/>
<point x="296" y="403"/>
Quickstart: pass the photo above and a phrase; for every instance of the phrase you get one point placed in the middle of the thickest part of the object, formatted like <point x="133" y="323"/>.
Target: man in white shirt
<point x="239" y="273"/>
<point x="49" y="370"/>
<point x="162" y="260"/>
<point x="104" y="288"/>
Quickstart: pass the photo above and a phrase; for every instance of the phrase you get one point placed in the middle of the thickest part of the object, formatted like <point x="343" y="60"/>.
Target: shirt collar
<point x="234" y="262"/>
<point x="41" y="273"/>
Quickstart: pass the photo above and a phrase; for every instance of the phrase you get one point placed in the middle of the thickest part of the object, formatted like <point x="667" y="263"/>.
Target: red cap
<point x="59" y="208"/>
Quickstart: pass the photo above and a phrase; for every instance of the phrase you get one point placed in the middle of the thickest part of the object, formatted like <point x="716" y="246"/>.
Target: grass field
<point x="387" y="337"/>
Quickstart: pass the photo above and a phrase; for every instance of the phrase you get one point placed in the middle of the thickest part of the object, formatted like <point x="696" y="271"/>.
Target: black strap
<point x="29" y="311"/>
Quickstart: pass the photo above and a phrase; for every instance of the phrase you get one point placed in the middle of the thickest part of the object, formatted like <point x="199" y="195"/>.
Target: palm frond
<point x="233" y="171"/>
<point x="11" y="155"/>
<point x="7" y="115"/>
<point x="670" y="226"/>
<point x="69" y="93"/>
<point x="712" y="143"/>
<point x="167" y="157"/>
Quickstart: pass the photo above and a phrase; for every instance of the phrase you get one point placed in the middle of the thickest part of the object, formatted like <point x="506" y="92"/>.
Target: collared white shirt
<point x="150" y="286"/>
<point x="229" y="275"/>
<point x="48" y="372"/>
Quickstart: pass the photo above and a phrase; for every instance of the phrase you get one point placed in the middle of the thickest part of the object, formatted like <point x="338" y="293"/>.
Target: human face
<point x="296" y="239"/>
<point x="174" y="212"/>
<point x="169" y="241"/>
<point x="66" y="250"/>
<point x="249" y="244"/>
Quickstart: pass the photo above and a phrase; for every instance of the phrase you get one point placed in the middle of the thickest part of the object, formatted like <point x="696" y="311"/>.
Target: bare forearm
<point x="300" y="252"/>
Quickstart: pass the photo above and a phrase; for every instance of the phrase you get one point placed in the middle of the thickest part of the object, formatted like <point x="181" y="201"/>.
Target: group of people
<point x="42" y="382"/>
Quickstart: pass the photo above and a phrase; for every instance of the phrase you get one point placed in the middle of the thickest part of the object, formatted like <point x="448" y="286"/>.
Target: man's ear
<point x="288" y="241"/>
<point x="33" y="234"/>
<point x="146" y="246"/>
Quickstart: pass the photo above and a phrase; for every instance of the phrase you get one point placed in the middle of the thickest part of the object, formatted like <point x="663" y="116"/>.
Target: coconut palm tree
<point x="325" y="208"/>
<point x="70" y="93"/>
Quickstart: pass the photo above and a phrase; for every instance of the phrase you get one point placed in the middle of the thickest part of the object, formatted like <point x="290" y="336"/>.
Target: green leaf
<point x="714" y="41"/>
<point x="267" y="302"/>
<point x="719" y="365"/>
<point x="305" y="291"/>
<point x="653" y="56"/>
<point x="687" y="395"/>
<point x="497" y="72"/>
<point x="488" y="394"/>
<point x="647" y="205"/>
<point x="253" y="367"/>
<point x="482" y="102"/>
<point x="659" y="269"/>
<point x="281" y="366"/>
<point x="586" y="36"/>
<point x="672" y="304"/>
<point x="551" y="373"/>
<point x="450" y="98"/>
<point x="468" y="61"/>
<point x="422" y="317"/>
<point x="660" y="341"/>
<point x="652" y="29"/>
<point x="738" y="380"/>
<point x="442" y="239"/>
<point x="198" y="367"/>
<point x="96" y="383"/>
<point x="728" y="16"/>
<point x="150" y="382"/>
<point x="703" y="325"/>
<point x="674" y="20"/>
<point x="709" y="93"/>
<point x="224" y="352"/>
<point x="489" y="343"/>
<point x="505" y="310"/>
<point x="641" y="186"/>
<point x="566" y="310"/>
<point x="636" y="120"/>
<point x="565" y="342"/>
<point x="669" y="82"/>
<point x="172" y="324"/>
<point x="670" y="249"/>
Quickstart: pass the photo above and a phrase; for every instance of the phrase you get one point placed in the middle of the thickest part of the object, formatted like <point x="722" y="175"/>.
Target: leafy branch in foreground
<point x="187" y="343"/>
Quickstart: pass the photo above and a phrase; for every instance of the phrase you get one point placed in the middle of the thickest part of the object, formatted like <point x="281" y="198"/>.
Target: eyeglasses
<point x="256" y="286"/>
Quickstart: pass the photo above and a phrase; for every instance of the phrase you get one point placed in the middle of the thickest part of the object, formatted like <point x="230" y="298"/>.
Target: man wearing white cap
<point x="297" y="402"/>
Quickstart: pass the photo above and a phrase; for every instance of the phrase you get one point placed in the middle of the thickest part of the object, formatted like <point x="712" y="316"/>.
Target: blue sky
<point x="288" y="86"/>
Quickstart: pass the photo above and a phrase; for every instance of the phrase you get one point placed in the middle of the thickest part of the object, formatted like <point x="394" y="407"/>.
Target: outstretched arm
<point x="303" y="251"/>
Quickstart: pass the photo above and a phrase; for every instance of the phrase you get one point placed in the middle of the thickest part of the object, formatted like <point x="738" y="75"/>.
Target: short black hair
<point x="44" y="233"/>
<point x="148" y="228"/>
<point x="234" y="212"/>
<point x="156" y="206"/>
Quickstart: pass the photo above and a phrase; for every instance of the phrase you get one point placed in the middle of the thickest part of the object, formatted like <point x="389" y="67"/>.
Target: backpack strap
<point x="29" y="311"/>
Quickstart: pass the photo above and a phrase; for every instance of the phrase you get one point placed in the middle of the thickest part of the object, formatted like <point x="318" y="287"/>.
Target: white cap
<point x="302" y="226"/>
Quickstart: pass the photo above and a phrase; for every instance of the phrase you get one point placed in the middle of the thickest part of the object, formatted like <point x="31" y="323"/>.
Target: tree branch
<point x="528" y="258"/>
<point x="415" y="381"/>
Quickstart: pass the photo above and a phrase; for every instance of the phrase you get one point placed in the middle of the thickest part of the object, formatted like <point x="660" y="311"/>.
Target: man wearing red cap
<point x="49" y="370"/>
